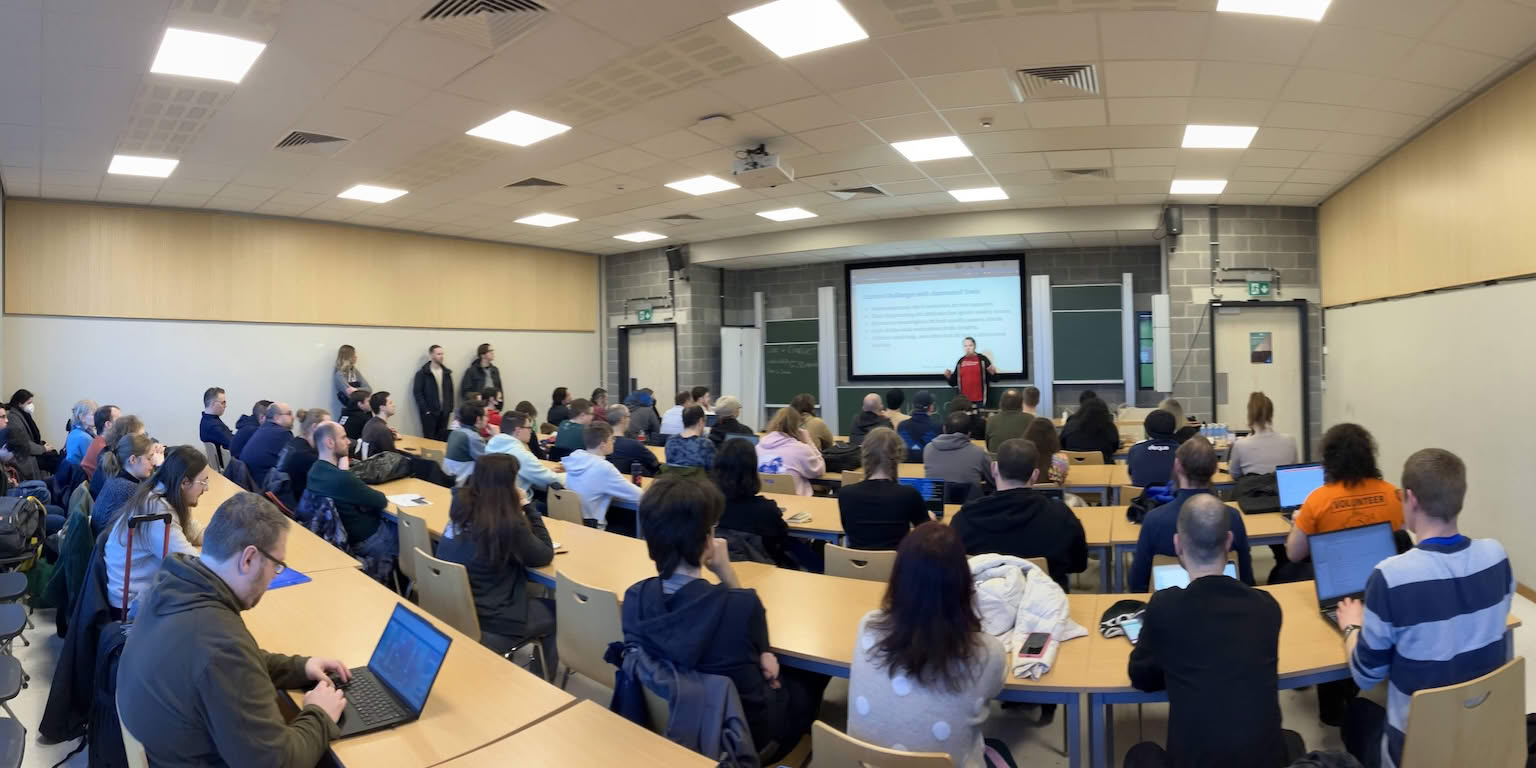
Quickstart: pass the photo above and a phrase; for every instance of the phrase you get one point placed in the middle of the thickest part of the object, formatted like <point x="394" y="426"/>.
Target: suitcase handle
<point x="133" y="523"/>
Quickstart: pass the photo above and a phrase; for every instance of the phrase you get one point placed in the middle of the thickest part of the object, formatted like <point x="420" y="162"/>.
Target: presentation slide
<point x="910" y="319"/>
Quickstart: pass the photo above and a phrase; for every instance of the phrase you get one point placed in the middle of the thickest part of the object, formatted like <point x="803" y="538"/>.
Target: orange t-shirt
<point x="1335" y="507"/>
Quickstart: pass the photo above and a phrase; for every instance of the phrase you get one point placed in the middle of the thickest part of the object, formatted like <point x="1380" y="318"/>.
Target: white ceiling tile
<point x="638" y="23"/>
<point x="1014" y="162"/>
<point x="898" y="97"/>
<point x="1150" y="78"/>
<point x="966" y="89"/>
<point x="1260" y="173"/>
<point x="1065" y="114"/>
<point x="1357" y="50"/>
<point x="676" y="144"/>
<point x="1239" y="80"/>
<point x="1228" y="111"/>
<point x="138" y="196"/>
<point x="846" y="66"/>
<point x="1288" y="138"/>
<point x="1144" y="173"/>
<point x="1090" y="158"/>
<point x="1156" y="111"/>
<point x="1206" y="163"/>
<point x="375" y="92"/>
<point x="924" y="125"/>
<point x="1036" y="40"/>
<point x="236" y="204"/>
<point x="917" y="187"/>
<point x="1412" y="18"/>
<point x="414" y="54"/>
<point x="1357" y="144"/>
<point x="1448" y="67"/>
<point x="1376" y="123"/>
<point x="998" y="117"/>
<point x="760" y="86"/>
<point x="954" y="166"/>
<point x="1296" y="188"/>
<point x="1307" y="201"/>
<point x="805" y="114"/>
<point x="1243" y="199"/>
<point x="1153" y="35"/>
<point x="1292" y="114"/>
<point x="1495" y="27"/>
<point x="1328" y="87"/>
<point x="838" y="137"/>
<point x="332" y="32"/>
<point x="941" y="50"/>
<point x="888" y="173"/>
<point x="1335" y="162"/>
<point x="1258" y="39"/>
<point x="1274" y="158"/>
<point x="69" y="191"/>
<point x="1319" y="176"/>
<point x="1132" y="157"/>
<point x="1409" y="98"/>
<point x="740" y="130"/>
<point x="1251" y="188"/>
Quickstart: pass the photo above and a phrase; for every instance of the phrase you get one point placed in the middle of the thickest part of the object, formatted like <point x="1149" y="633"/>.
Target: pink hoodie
<point x="780" y="454"/>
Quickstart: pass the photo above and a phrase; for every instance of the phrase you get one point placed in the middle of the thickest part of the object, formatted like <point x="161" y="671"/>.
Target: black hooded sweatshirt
<point x="1025" y="523"/>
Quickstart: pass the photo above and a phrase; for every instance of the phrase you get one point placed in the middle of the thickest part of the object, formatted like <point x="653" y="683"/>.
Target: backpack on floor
<point x="842" y="457"/>
<point x="21" y="525"/>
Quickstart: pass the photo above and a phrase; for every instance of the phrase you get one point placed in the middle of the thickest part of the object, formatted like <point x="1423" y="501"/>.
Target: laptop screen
<point x="932" y="491"/>
<point x="1171" y="575"/>
<point x="1343" y="560"/>
<point x="409" y="656"/>
<point x="1296" y="482"/>
<point x="749" y="438"/>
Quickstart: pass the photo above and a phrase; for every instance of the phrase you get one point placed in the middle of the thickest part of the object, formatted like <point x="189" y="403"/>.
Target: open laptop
<point x="1295" y="482"/>
<point x="749" y="438"/>
<point x="1174" y="575"/>
<point x="932" y="491"/>
<point x="393" y="688"/>
<point x="1342" y="562"/>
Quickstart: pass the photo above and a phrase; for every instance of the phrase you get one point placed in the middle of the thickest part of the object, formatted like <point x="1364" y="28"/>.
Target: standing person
<point x="1092" y="428"/>
<point x="532" y="475"/>
<point x="33" y="457"/>
<point x="1020" y="521"/>
<point x="643" y="421"/>
<point x="1215" y="647"/>
<point x="672" y="420"/>
<point x="727" y="411"/>
<point x="482" y="374"/>
<point x="1265" y="449"/>
<point x="871" y="415"/>
<point x="821" y="435"/>
<point x="346" y="378"/>
<point x="878" y="512"/>
<point x="81" y="431"/>
<point x="921" y="662"/>
<point x="497" y="536"/>
<point x="973" y="373"/>
<point x="1052" y="461"/>
<point x="194" y="687"/>
<point x="102" y="421"/>
<point x="1012" y="418"/>
<point x="558" y="410"/>
<point x="174" y="488"/>
<point x="261" y="451"/>
<point x="378" y="436"/>
<point x="786" y="449"/>
<point x="691" y="448"/>
<point x="301" y="453"/>
<point x="433" y="390"/>
<point x="211" y="427"/>
<point x="894" y="398"/>
<point x="1433" y="616"/>
<point x="919" y="429"/>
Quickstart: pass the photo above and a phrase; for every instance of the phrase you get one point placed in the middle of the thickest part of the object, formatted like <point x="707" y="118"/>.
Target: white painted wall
<point x="158" y="369"/>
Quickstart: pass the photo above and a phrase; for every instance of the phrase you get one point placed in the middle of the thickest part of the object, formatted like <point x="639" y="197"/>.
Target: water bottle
<point x="635" y="470"/>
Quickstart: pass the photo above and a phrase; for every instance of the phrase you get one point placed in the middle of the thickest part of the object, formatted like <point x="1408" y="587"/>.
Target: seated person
<point x="174" y="488"/>
<point x="690" y="448"/>
<point x="1092" y="428"/>
<point x="102" y="420"/>
<point x="531" y="473"/>
<point x="1151" y="460"/>
<point x="378" y="436"/>
<point x="787" y="449"/>
<point x="870" y="416"/>
<point x="137" y="457"/>
<point x="192" y="685"/>
<point x="81" y="431"/>
<point x="599" y="400"/>
<point x="821" y="434"/>
<point x="558" y="410"/>
<point x="878" y="511"/>
<point x="727" y="411"/>
<point x="716" y="629"/>
<point x="627" y="451"/>
<point x="1011" y="419"/>
<point x="894" y="398"/>
<point x="1020" y="521"/>
<point x="588" y="473"/>
<point x="211" y="427"/>
<point x="526" y="408"/>
<point x="300" y="454"/>
<point x="1187" y="426"/>
<point x="1053" y="463"/>
<point x="1353" y="493"/>
<point x="490" y="397"/>
<point x="746" y="509"/>
<point x="953" y="458"/>
<point x="569" y="436"/>
<point x="922" y="661"/>
<point x="1193" y="465"/>
<point x="356" y="415"/>
<point x="362" y="509"/>
<point x="1215" y="647"/>
<point x="643" y="421"/>
<point x="977" y="426"/>
<point x="497" y="536"/>
<point x="1263" y="450"/>
<point x="465" y="444"/>
<point x="672" y="420"/>
<point x="246" y="427"/>
<point x="261" y="451"/>
<point x="106" y="466"/>
<point x="919" y="429"/>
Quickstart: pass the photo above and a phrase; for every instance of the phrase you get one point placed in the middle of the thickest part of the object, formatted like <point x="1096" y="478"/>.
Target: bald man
<point x="872" y="415"/>
<point x="1193" y="465"/>
<point x="260" y="452"/>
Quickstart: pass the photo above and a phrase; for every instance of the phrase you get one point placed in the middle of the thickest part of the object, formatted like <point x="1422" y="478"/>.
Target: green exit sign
<point x="1258" y="287"/>
<point x="645" y="314"/>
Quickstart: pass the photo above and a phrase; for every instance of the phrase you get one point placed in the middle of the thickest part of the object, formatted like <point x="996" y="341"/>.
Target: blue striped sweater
<point x="1434" y="616"/>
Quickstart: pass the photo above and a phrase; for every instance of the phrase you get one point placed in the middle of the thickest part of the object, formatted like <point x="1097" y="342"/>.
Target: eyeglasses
<point x="278" y="565"/>
<point x="203" y="483"/>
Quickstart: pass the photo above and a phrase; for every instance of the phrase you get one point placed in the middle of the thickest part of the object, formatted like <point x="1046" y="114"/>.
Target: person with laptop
<point x="1193" y="465"/>
<point x="1353" y="494"/>
<point x="1214" y="646"/>
<point x="953" y="458"/>
<point x="217" y="703"/>
<point x="1265" y="449"/>
<point x="878" y="511"/>
<point x="1020" y="521"/>
<point x="1432" y="616"/>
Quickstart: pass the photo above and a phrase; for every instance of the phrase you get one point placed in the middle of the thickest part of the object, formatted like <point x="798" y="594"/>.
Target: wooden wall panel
<point x="124" y="261"/>
<point x="1453" y="206"/>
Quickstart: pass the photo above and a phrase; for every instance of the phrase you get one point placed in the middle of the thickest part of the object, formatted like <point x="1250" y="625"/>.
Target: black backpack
<point x="1255" y="494"/>
<point x="382" y="468"/>
<point x="21" y="525"/>
<point x="842" y="457"/>
<point x="105" y="731"/>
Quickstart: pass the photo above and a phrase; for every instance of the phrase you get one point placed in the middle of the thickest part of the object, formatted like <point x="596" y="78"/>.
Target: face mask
<point x="28" y="407"/>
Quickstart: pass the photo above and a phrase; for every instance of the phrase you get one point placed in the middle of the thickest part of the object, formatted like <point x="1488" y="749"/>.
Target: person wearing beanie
<point x="1151" y="460"/>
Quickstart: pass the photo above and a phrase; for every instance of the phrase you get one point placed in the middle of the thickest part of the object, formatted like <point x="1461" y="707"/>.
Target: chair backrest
<point x="215" y="455"/>
<point x="281" y="507"/>
<point x="834" y="749"/>
<point x="1129" y="492"/>
<point x="778" y="483"/>
<point x="851" y="476"/>
<point x="442" y="589"/>
<point x="589" y="621"/>
<point x="1084" y="457"/>
<point x="413" y="535"/>
<point x="677" y="469"/>
<point x="565" y="505"/>
<point x="1479" y="722"/>
<point x="137" y="757"/>
<point x="1040" y="562"/>
<point x="656" y="707"/>
<point x="870" y="565"/>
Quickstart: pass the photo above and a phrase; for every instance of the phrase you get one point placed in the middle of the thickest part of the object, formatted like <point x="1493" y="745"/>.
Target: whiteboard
<point x="1453" y="370"/>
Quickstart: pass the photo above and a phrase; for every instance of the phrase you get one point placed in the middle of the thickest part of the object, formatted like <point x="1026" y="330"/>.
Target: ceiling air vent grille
<point x="312" y="143"/>
<point x="857" y="193"/>
<point x="488" y="24"/>
<point x="1059" y="82"/>
<point x="681" y="217"/>
<point x="1081" y="174"/>
<point x="534" y="181"/>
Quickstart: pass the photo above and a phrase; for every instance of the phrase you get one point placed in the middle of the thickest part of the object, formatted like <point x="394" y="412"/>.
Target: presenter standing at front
<point x="971" y="374"/>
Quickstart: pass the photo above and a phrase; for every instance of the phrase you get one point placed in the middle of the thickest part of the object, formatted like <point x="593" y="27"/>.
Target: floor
<point x="1032" y="745"/>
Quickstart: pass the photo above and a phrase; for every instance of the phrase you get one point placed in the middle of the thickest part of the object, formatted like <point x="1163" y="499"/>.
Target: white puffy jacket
<point x="1015" y="599"/>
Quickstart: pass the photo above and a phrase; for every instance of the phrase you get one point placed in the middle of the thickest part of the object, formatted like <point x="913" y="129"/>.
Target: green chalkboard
<point x="1089" y="346"/>
<point x="1085" y="296"/>
<point x="789" y="369"/>
<point x="779" y="331"/>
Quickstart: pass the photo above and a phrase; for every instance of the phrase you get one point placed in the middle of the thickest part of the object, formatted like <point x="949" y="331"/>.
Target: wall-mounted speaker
<point x="677" y="257"/>
<point x="1173" y="221"/>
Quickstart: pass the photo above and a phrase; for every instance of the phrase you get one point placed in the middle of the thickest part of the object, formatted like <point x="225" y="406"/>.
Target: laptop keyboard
<point x="373" y="703"/>
<point x="1332" y="614"/>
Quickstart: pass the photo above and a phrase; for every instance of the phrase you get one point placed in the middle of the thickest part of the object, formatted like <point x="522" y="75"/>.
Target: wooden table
<point x="422" y="446"/>
<point x="439" y="499"/>
<point x="307" y="553"/>
<point x="478" y="698"/>
<point x="1120" y="475"/>
<point x="583" y="735"/>
<point x="1263" y="529"/>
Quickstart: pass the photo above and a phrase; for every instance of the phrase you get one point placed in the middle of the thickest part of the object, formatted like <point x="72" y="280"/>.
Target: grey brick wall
<point x="696" y="310"/>
<point x="1282" y="238"/>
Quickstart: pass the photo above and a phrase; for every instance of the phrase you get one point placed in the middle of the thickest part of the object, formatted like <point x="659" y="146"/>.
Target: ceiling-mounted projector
<point x="755" y="169"/>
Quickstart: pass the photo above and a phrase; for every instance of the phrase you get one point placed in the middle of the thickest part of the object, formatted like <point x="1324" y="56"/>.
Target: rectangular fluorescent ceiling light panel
<point x="370" y="194"/>
<point x="787" y="214"/>
<point x="640" y="237"/>
<point x="206" y="55"/>
<point x="546" y="220"/>
<point x="978" y="194"/>
<point x="703" y="185"/>
<point x="1218" y="136"/>
<point x="519" y="128"/>
<point x="1311" y="10"/>
<point x="792" y="27"/>
<point x="134" y="165"/>
<point x="1197" y="186"/>
<point x="938" y="148"/>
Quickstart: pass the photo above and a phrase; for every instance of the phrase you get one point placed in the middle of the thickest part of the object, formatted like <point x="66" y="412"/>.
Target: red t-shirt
<point x="969" y="376"/>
